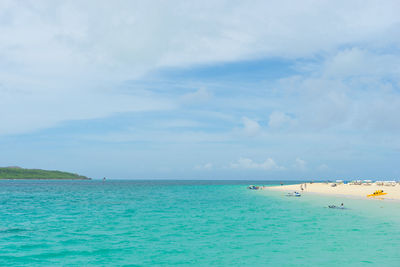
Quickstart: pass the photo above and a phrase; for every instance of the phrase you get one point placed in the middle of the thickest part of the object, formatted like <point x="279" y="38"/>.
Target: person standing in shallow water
<point x="104" y="179"/>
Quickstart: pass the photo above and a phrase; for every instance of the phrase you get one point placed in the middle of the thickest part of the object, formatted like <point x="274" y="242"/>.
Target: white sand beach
<point x="393" y="192"/>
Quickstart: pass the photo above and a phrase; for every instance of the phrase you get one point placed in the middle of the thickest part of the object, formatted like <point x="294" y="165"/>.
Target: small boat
<point x="377" y="193"/>
<point x="294" y="194"/>
<point x="253" y="187"/>
<point x="341" y="207"/>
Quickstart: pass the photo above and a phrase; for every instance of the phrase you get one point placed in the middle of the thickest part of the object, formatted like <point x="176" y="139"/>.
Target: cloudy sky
<point x="201" y="89"/>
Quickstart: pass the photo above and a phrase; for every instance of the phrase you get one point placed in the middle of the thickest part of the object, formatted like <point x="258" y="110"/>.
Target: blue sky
<point x="210" y="90"/>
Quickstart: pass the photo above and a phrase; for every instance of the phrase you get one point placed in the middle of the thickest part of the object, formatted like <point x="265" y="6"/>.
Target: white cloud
<point x="251" y="127"/>
<point x="176" y="123"/>
<point x="246" y="163"/>
<point x="360" y="62"/>
<point x="69" y="58"/>
<point x="22" y="112"/>
<point x="197" y="97"/>
<point x="300" y="164"/>
<point x="363" y="96"/>
<point x="279" y="119"/>
<point x="132" y="37"/>
<point x="323" y="167"/>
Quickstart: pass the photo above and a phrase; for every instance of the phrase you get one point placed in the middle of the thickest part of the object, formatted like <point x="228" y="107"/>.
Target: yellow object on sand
<point x="377" y="193"/>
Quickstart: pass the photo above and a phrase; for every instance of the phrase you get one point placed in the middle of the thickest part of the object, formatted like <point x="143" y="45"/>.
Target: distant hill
<point x="15" y="172"/>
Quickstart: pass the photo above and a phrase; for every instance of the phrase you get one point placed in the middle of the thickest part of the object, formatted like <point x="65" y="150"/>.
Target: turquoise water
<point x="209" y="223"/>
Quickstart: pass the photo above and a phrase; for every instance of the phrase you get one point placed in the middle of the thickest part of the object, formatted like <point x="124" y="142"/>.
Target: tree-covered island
<point x="10" y="173"/>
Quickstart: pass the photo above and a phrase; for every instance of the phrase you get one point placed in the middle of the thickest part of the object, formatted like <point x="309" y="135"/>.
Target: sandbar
<point x="359" y="191"/>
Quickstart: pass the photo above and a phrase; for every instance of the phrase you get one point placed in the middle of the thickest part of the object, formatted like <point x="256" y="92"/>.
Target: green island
<point x="10" y="173"/>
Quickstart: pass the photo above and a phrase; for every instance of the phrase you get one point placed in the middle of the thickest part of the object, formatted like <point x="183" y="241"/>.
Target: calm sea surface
<point x="196" y="223"/>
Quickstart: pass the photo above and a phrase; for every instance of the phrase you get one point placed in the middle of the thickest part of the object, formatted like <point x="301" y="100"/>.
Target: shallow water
<point x="203" y="223"/>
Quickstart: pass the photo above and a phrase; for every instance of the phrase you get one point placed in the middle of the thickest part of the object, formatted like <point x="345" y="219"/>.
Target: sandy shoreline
<point x="359" y="191"/>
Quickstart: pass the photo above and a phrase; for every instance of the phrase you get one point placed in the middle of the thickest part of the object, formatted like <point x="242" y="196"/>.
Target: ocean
<point x="189" y="223"/>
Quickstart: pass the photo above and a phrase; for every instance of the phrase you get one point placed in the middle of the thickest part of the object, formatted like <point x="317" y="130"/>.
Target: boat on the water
<point x="377" y="193"/>
<point x="341" y="207"/>
<point x="294" y="194"/>
<point x="336" y="207"/>
<point x="253" y="187"/>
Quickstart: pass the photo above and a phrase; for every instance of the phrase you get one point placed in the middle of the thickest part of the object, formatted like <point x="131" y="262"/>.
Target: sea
<point x="190" y="223"/>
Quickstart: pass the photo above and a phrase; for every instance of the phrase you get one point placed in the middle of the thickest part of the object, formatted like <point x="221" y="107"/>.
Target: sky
<point x="278" y="90"/>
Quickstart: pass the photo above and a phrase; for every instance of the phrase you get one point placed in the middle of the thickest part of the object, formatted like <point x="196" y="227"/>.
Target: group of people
<point x="337" y="207"/>
<point x="303" y="186"/>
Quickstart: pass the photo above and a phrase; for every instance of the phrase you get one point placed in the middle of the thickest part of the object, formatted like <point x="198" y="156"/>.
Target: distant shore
<point x="18" y="173"/>
<point x="361" y="191"/>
